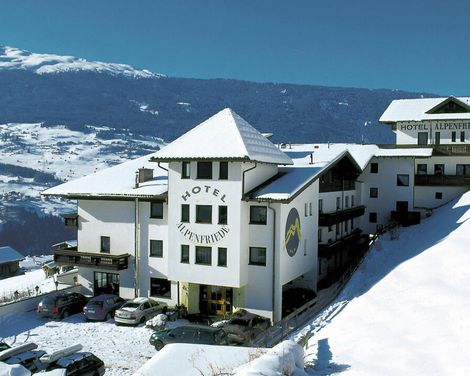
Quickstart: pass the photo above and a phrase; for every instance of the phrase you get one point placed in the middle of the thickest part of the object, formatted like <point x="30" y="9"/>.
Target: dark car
<point x="102" y="307"/>
<point x="295" y="298"/>
<point x="243" y="327"/>
<point x="201" y="334"/>
<point x="79" y="364"/>
<point x="62" y="305"/>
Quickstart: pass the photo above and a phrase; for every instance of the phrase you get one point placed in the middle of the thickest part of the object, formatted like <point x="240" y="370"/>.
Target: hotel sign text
<point x="439" y="126"/>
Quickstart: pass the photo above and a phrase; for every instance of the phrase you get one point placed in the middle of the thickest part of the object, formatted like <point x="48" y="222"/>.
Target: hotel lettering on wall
<point x="447" y="125"/>
<point x="185" y="228"/>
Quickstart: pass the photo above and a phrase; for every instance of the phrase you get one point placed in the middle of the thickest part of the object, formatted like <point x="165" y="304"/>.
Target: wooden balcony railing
<point x="88" y="259"/>
<point x="353" y="242"/>
<point x="450" y="180"/>
<point x="329" y="219"/>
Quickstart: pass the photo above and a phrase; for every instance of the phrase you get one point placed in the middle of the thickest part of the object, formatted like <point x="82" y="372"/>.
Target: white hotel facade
<point x="222" y="218"/>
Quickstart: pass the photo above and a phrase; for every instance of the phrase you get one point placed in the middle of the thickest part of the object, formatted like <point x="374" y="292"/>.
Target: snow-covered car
<point x="25" y="355"/>
<point x="102" y="307"/>
<point x="243" y="327"/>
<point x="62" y="305"/>
<point x="138" y="310"/>
<point x="200" y="334"/>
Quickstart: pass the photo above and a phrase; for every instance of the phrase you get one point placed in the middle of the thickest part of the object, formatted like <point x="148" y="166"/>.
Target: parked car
<point x="25" y="355"/>
<point x="62" y="305"/>
<point x="295" y="298"/>
<point x="244" y="326"/>
<point x="201" y="334"/>
<point x="78" y="364"/>
<point x="102" y="307"/>
<point x="138" y="310"/>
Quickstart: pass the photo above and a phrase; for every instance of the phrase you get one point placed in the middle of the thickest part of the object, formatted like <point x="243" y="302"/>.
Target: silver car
<point x="138" y="310"/>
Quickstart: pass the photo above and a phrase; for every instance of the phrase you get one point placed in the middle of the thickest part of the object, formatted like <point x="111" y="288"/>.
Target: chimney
<point x="143" y="175"/>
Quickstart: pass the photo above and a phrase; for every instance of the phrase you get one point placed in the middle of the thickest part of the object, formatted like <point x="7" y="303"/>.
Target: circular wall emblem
<point x="293" y="234"/>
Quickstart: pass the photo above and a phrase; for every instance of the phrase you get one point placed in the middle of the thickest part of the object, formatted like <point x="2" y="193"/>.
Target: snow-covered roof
<point x="116" y="181"/>
<point x="227" y="136"/>
<point x="8" y="254"/>
<point x="310" y="160"/>
<point x="415" y="110"/>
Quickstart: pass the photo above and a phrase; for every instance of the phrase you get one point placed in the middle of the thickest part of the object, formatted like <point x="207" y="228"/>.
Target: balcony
<point x="329" y="219"/>
<point x="355" y="241"/>
<point x="451" y="150"/>
<point x="95" y="260"/>
<point x="435" y="180"/>
<point x="406" y="218"/>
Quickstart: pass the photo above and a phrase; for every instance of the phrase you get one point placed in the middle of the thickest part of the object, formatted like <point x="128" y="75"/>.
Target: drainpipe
<point x="274" y="262"/>
<point x="136" y="250"/>
<point x="243" y="178"/>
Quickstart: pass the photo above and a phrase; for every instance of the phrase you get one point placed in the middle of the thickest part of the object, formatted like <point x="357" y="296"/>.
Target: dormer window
<point x="223" y="170"/>
<point x="186" y="170"/>
<point x="204" y="170"/>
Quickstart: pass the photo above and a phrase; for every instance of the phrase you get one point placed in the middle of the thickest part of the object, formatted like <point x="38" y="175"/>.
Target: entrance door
<point x="215" y="300"/>
<point x="106" y="283"/>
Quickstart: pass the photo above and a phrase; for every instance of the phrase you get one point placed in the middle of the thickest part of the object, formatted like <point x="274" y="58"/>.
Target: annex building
<point x="222" y="218"/>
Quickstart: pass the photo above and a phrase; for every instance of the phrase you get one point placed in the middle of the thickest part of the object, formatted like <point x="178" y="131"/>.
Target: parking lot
<point x="123" y="349"/>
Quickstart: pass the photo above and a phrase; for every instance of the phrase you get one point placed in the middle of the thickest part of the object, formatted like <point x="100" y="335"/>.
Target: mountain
<point x="62" y="117"/>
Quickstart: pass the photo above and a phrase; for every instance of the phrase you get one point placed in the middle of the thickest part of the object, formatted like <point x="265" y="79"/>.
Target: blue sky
<point x="410" y="45"/>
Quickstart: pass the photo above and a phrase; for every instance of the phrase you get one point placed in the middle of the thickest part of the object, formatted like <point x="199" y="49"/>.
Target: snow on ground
<point x="405" y="312"/>
<point x="25" y="282"/>
<point x="123" y="349"/>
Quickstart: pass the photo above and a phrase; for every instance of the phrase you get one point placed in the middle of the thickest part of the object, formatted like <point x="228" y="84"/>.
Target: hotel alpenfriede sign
<point x="198" y="238"/>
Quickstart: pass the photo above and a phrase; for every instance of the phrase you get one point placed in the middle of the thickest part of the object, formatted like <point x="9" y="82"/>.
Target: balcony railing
<point x="353" y="242"/>
<point x="96" y="260"/>
<point x="450" y="180"/>
<point x="330" y="219"/>
<point x="337" y="186"/>
<point x="406" y="218"/>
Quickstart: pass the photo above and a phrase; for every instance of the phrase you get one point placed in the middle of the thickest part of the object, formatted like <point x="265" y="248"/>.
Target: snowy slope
<point x="405" y="312"/>
<point x="15" y="58"/>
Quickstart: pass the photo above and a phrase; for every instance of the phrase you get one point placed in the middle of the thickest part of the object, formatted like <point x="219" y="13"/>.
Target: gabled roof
<point x="450" y="105"/>
<point x="8" y="254"/>
<point x="424" y="109"/>
<point x="224" y="136"/>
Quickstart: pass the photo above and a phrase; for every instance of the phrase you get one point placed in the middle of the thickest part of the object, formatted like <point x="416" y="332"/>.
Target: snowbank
<point x="13" y="370"/>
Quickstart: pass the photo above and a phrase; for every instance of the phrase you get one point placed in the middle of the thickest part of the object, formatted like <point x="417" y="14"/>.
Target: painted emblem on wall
<point x="293" y="233"/>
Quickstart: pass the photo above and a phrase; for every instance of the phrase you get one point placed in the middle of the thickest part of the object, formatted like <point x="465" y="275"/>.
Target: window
<point x="338" y="203"/>
<point x="186" y="170"/>
<point x="438" y="169"/>
<point x="338" y="229"/>
<point x="203" y="255"/>
<point x="320" y="206"/>
<point x="310" y="209"/>
<point x="203" y="214"/>
<point x="373" y="217"/>
<point x="402" y="206"/>
<point x="160" y="287"/>
<point x="403" y="180"/>
<point x="156" y="248"/>
<point x="453" y="136"/>
<point x="105" y="244"/>
<point x="373" y="192"/>
<point x="330" y="228"/>
<point x="156" y="210"/>
<point x="223" y="170"/>
<point x="184" y="213"/>
<point x="422" y="138"/>
<point x="422" y="169"/>
<point x="184" y="254"/>
<point x="438" y="195"/>
<point x="258" y="215"/>
<point x="462" y="169"/>
<point x="306" y="209"/>
<point x="222" y="257"/>
<point x="258" y="256"/>
<point x="204" y="170"/>
<point x="346" y="202"/>
<point x="305" y="247"/>
<point x="437" y="138"/>
<point x="374" y="168"/>
<point x="346" y="228"/>
<point x="222" y="215"/>
<point x="462" y="136"/>
<point x="352" y="200"/>
<point x="320" y="235"/>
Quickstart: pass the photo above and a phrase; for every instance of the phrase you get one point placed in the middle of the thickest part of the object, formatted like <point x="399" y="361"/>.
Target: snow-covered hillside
<point x="15" y="58"/>
<point x="406" y="310"/>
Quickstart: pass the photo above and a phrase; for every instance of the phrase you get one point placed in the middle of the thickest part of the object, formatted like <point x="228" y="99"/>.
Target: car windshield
<point x="131" y="305"/>
<point x="95" y="303"/>
<point x="242" y="322"/>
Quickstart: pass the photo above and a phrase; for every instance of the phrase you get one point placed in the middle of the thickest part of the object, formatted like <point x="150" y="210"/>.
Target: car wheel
<point x="65" y="314"/>
<point x="159" y="345"/>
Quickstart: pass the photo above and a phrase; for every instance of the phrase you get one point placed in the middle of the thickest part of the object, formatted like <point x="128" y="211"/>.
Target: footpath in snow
<point x="406" y="310"/>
